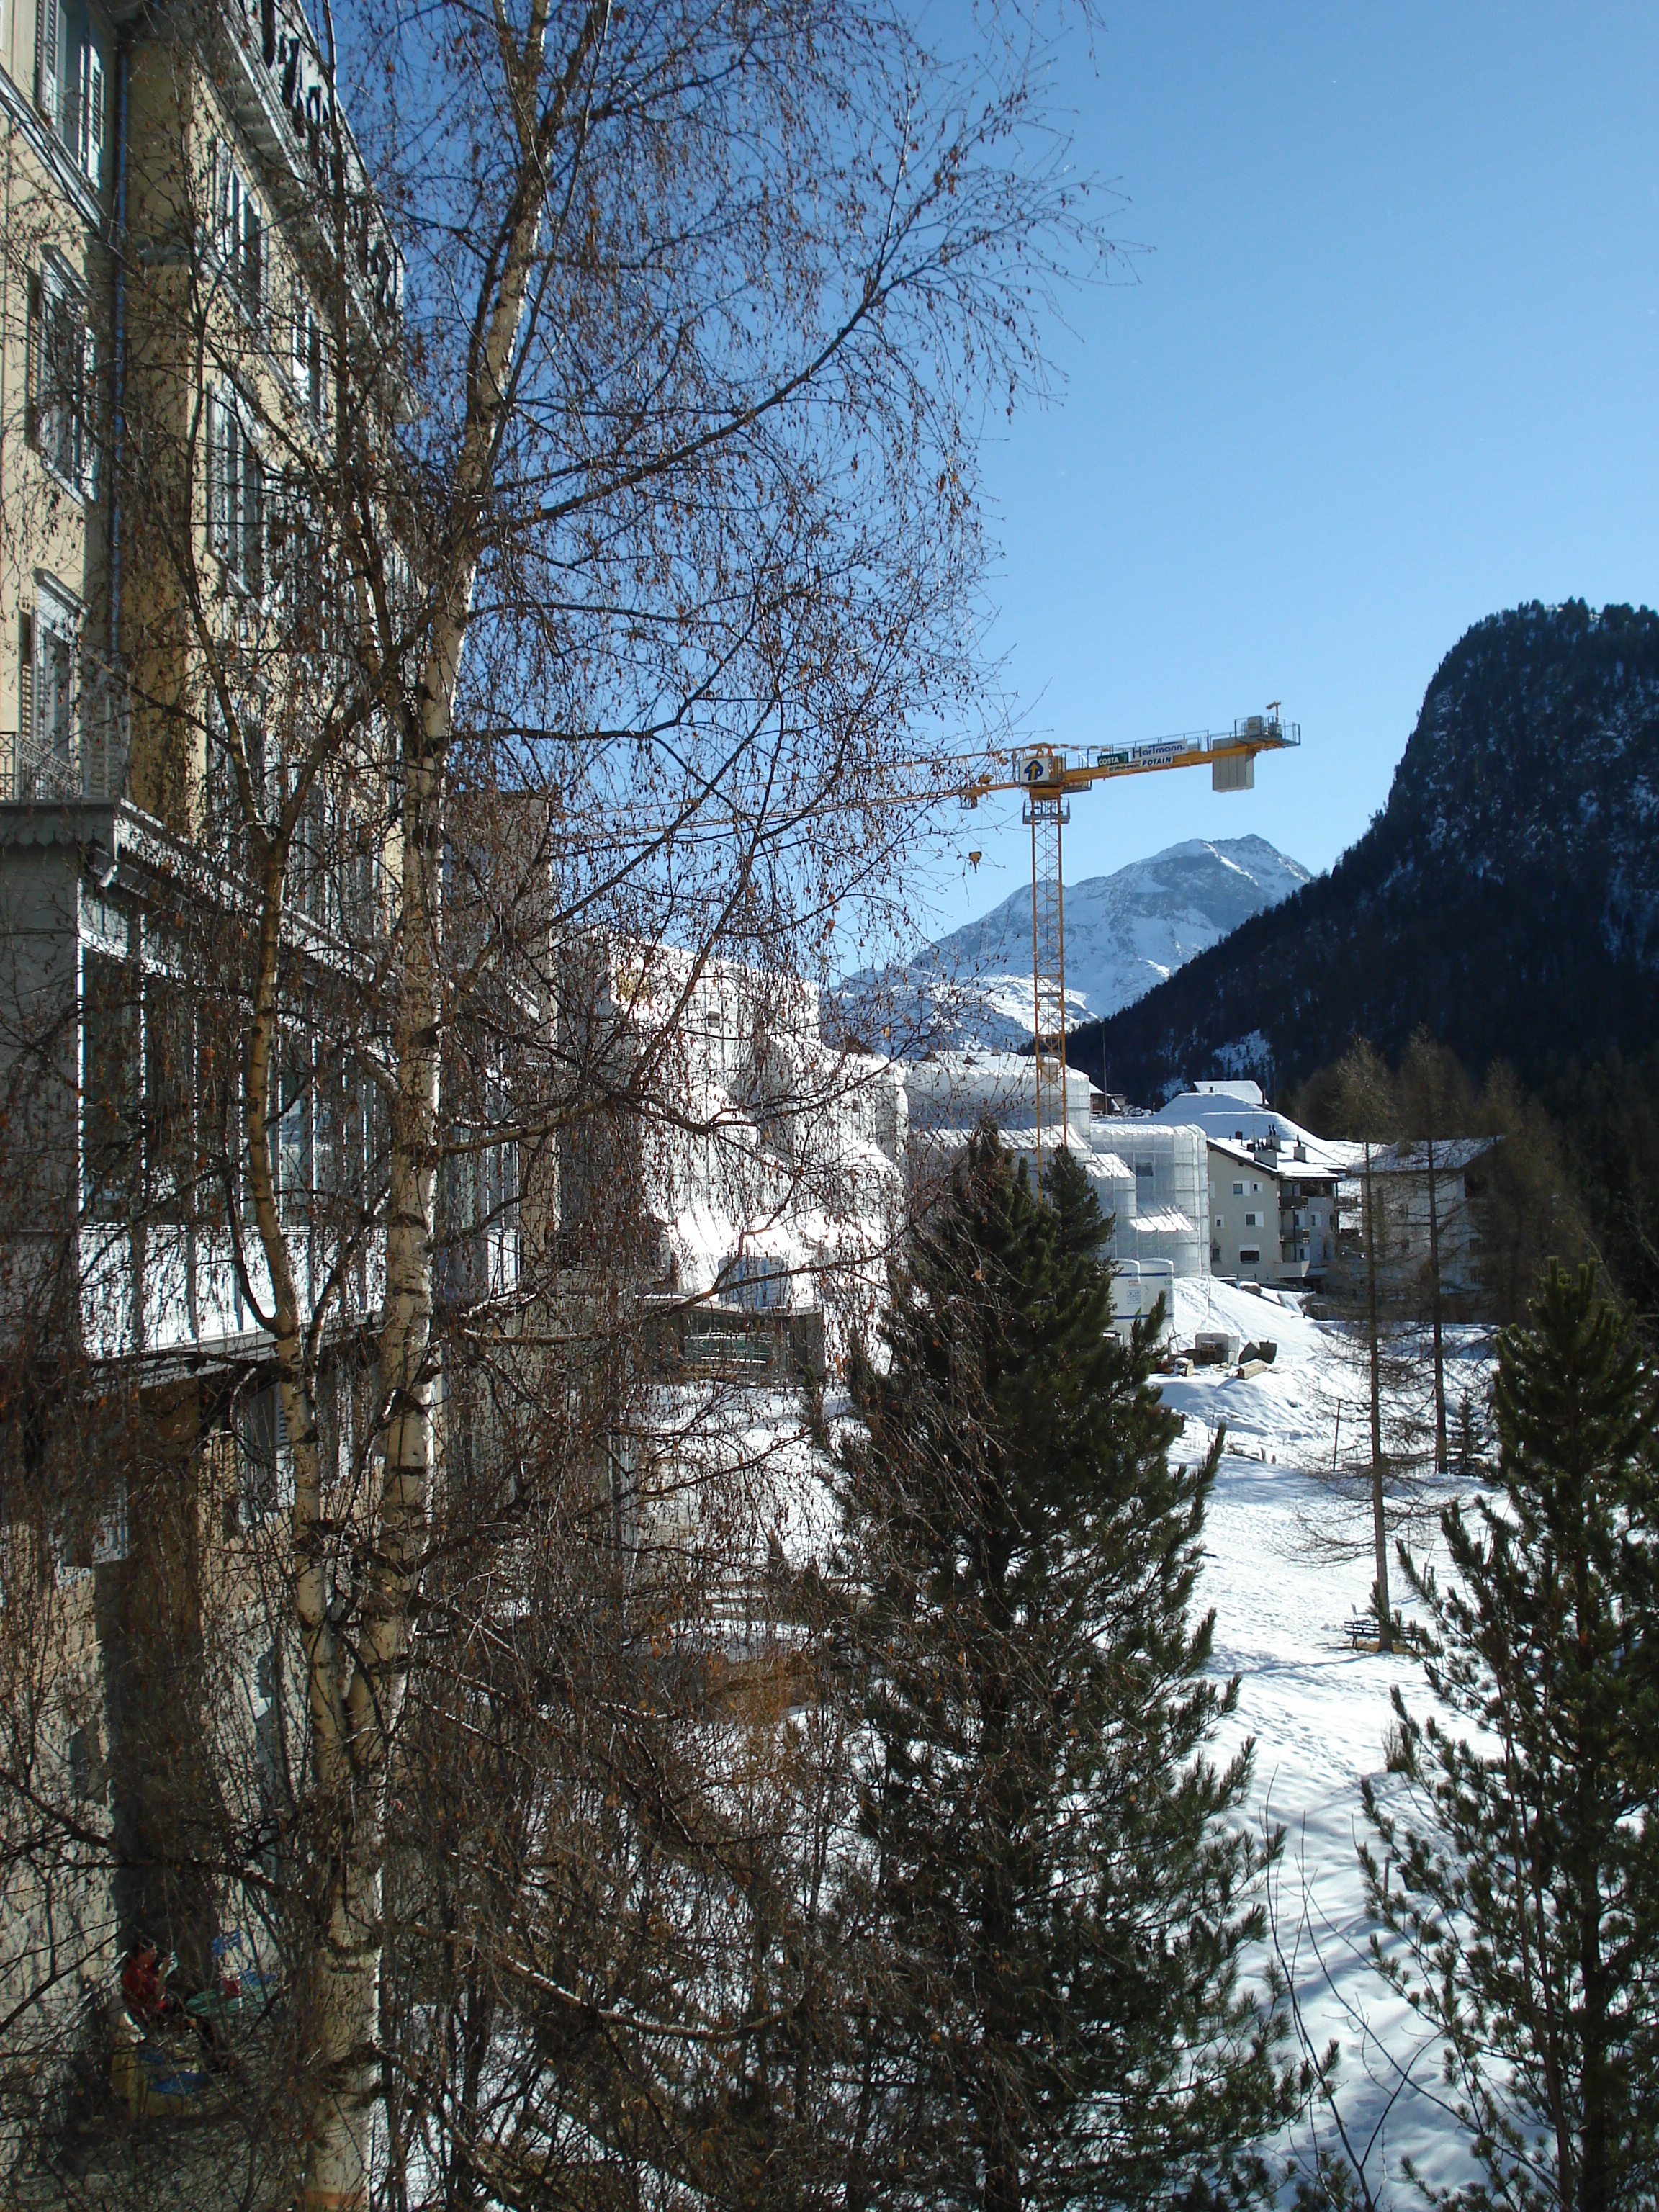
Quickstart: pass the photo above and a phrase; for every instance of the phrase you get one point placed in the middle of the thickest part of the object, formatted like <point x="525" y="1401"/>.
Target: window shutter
<point x="92" y="112"/>
<point x="251" y="243"/>
<point x="86" y="419"/>
<point x="48" y="61"/>
<point x="218" y="499"/>
<point x="253" y="518"/>
<point x="25" y="681"/>
<point x="233" y="454"/>
<point x="31" y="352"/>
<point x="226" y="212"/>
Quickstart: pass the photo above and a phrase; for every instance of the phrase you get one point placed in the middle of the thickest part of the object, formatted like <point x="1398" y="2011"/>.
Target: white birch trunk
<point x="347" y="1994"/>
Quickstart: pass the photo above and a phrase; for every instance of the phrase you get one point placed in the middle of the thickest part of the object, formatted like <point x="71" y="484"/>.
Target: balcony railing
<point x="94" y="766"/>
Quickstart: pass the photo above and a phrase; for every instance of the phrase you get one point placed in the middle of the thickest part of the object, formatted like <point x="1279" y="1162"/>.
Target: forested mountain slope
<point x="1507" y="895"/>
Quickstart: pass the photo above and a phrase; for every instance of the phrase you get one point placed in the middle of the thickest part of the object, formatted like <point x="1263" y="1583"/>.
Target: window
<point x="264" y="1461"/>
<point x="61" y="377"/>
<point x="479" y="1256"/>
<point x="293" y="1149"/>
<point x="89" y="114"/>
<point x="308" y="360"/>
<point x="1238" y="1190"/>
<point x="111" y="1109"/>
<point x="69" y="86"/>
<point x="1251" y="1257"/>
<point x="294" y="560"/>
<point x="55" y="659"/>
<point x="239" y="232"/>
<point x="339" y="1121"/>
<point x="90" y="1532"/>
<point x="88" y="1780"/>
<point x="756" y="1282"/>
<point x="217" y="1103"/>
<point x="169" y="1095"/>
<point x="51" y="62"/>
<point x="225" y="810"/>
<point x="1253" y="1221"/>
<point x="236" y="493"/>
<point x="48" y="708"/>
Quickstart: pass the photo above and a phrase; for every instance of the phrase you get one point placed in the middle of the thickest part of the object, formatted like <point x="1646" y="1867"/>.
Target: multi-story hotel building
<point x="193" y="269"/>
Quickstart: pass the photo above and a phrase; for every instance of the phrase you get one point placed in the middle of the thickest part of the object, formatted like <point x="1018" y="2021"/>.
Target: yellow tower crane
<point x="1048" y="776"/>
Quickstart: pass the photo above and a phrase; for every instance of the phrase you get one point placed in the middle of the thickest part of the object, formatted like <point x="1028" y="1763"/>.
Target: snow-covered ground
<point x="1317" y="1710"/>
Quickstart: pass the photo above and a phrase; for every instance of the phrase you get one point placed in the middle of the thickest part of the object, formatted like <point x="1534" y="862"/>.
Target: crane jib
<point x="1047" y="777"/>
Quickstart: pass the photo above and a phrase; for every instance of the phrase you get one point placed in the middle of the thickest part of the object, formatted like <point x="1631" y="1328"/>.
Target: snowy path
<point x="1318" y="1711"/>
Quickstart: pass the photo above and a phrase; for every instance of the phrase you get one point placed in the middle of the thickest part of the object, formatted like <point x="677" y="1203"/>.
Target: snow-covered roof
<point x="959" y="1086"/>
<point x="1227" y="1117"/>
<point x="1451" y="1156"/>
<point x="1268" y="1162"/>
<point x="1105" y="1166"/>
<point x="1246" y="1092"/>
<point x="1281" y="1164"/>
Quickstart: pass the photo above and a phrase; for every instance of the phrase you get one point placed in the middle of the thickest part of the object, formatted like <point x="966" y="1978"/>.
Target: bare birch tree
<point x="553" y="528"/>
<point x="1436" y="1104"/>
<point x="1365" y="1286"/>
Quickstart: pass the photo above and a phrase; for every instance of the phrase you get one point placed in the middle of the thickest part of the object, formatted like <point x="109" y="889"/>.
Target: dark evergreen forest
<point x="1507" y="895"/>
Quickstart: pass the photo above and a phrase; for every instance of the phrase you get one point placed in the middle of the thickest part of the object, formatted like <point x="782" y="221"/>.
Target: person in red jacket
<point x="141" y="1985"/>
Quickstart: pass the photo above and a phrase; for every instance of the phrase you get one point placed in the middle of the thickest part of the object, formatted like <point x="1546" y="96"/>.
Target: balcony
<point x="91" y="765"/>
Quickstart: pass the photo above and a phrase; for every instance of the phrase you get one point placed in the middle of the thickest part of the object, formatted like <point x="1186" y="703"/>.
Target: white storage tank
<point x="1137" y="1286"/>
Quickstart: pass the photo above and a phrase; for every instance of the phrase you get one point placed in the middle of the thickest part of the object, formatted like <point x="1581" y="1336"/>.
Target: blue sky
<point x="1391" y="363"/>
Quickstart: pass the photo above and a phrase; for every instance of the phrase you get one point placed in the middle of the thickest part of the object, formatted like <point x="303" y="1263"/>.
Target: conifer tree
<point x="1056" y="1889"/>
<point x="1522" y="1885"/>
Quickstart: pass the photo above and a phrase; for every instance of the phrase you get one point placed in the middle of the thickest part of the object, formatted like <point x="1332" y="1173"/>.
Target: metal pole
<point x="1036" y="997"/>
<point x="1059" y="938"/>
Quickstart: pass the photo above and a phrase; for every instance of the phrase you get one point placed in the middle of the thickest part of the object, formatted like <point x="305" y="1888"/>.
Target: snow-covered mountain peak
<point x="1124" y="934"/>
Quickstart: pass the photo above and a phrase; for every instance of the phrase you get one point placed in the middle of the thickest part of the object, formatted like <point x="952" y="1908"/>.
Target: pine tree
<point x="1057" y="1889"/>
<point x="1526" y="1904"/>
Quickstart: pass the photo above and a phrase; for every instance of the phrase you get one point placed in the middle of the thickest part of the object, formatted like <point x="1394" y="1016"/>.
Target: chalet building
<point x="1273" y="1217"/>
<point x="1428" y="1198"/>
<point x="1273" y="1186"/>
